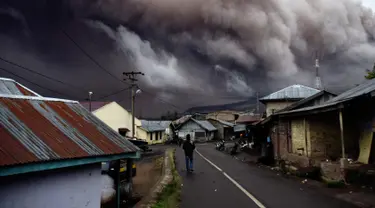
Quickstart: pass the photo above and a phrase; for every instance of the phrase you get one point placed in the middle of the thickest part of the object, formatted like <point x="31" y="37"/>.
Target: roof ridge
<point x="21" y="85"/>
<point x="25" y="97"/>
<point x="290" y="86"/>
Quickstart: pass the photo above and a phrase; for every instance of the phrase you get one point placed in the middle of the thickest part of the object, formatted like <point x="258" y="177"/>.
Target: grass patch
<point x="170" y="196"/>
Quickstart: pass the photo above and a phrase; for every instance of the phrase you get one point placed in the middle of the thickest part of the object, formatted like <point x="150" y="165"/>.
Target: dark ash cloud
<point x="193" y="52"/>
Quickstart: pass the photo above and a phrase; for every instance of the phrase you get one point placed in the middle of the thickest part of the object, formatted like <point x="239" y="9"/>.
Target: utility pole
<point x="257" y="103"/>
<point x="90" y="96"/>
<point x="131" y="76"/>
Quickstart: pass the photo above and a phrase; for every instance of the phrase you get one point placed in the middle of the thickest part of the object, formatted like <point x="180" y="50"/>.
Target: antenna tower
<point x="318" y="80"/>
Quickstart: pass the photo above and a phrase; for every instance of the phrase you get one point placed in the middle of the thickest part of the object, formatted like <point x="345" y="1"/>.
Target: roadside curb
<point x="165" y="179"/>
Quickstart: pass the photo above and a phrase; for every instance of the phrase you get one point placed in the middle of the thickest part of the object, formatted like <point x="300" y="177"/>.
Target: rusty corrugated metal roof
<point x="37" y="129"/>
<point x="11" y="87"/>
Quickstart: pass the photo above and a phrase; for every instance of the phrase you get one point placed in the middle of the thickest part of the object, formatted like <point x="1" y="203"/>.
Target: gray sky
<point x="369" y="3"/>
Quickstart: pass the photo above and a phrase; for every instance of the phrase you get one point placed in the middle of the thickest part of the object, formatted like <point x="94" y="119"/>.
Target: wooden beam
<point x="342" y="134"/>
<point x="306" y="142"/>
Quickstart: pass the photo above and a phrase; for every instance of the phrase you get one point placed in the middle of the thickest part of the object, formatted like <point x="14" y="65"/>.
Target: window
<point x="200" y="134"/>
<point x="156" y="135"/>
<point x="151" y="136"/>
<point x="161" y="135"/>
<point x="123" y="131"/>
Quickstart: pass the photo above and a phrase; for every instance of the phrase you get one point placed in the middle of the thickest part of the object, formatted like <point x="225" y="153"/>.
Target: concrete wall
<point x="66" y="188"/>
<point x="116" y="117"/>
<point x="277" y="106"/>
<point x="159" y="139"/>
<point x="219" y="134"/>
<point x="191" y="127"/>
<point x="142" y="134"/>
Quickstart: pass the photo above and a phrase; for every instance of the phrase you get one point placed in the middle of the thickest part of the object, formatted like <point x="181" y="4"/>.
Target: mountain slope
<point x="237" y="106"/>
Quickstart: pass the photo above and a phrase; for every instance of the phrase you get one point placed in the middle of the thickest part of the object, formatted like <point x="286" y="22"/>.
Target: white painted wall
<point x="189" y="127"/>
<point x="117" y="117"/>
<point x="66" y="188"/>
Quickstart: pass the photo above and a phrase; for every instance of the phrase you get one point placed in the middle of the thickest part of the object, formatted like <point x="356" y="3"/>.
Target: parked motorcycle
<point x="246" y="145"/>
<point x="220" y="145"/>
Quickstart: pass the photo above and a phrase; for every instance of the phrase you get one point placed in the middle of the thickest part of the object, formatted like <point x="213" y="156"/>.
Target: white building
<point x="199" y="130"/>
<point x="115" y="116"/>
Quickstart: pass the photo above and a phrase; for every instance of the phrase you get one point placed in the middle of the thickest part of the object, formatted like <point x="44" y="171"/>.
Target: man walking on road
<point x="189" y="149"/>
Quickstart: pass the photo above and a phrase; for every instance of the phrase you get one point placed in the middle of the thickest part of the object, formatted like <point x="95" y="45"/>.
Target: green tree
<point x="370" y="73"/>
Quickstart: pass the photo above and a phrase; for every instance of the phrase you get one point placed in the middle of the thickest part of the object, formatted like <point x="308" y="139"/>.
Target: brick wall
<point x="300" y="135"/>
<point x="325" y="135"/>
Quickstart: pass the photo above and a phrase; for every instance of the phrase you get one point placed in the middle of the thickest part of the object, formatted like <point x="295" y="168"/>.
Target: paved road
<point x="210" y="187"/>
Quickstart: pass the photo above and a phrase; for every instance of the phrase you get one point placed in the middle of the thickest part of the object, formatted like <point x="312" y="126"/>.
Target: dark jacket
<point x="188" y="148"/>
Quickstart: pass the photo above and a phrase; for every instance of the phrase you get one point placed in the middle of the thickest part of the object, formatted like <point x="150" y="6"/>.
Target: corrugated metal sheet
<point x="248" y="118"/>
<point x="181" y="120"/>
<point x="40" y="130"/>
<point x="291" y="92"/>
<point x="239" y="128"/>
<point x="226" y="123"/>
<point x="363" y="89"/>
<point x="152" y="126"/>
<point x="11" y="87"/>
<point x="205" y="124"/>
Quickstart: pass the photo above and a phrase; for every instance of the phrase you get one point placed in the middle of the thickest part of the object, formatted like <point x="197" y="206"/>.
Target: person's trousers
<point x="189" y="163"/>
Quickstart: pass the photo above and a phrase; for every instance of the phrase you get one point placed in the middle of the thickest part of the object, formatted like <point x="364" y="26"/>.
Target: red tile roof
<point x="35" y="129"/>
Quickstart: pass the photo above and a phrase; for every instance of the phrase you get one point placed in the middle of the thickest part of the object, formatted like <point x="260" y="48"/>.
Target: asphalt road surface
<point x="222" y="181"/>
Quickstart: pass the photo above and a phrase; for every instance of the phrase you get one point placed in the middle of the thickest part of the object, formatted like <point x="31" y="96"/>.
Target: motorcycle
<point x="246" y="145"/>
<point x="220" y="145"/>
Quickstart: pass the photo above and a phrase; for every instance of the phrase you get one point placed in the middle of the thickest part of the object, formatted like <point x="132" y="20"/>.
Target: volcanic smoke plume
<point x="204" y="50"/>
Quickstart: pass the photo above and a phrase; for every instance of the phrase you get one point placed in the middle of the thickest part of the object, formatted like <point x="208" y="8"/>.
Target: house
<point x="199" y="130"/>
<point x="248" y="119"/>
<point x="286" y="97"/>
<point x="52" y="150"/>
<point x="115" y="116"/>
<point x="225" y="115"/>
<point x="339" y="128"/>
<point x="153" y="131"/>
<point x="283" y="132"/>
<point x="224" y="129"/>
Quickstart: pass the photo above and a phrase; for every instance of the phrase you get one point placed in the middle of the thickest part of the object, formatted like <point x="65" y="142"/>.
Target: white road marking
<point x="255" y="200"/>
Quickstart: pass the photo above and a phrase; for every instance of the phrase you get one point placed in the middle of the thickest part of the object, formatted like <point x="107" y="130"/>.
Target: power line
<point x="38" y="73"/>
<point x="114" y="93"/>
<point x="90" y="57"/>
<point x="163" y="101"/>
<point x="101" y="67"/>
<point x="36" y="84"/>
